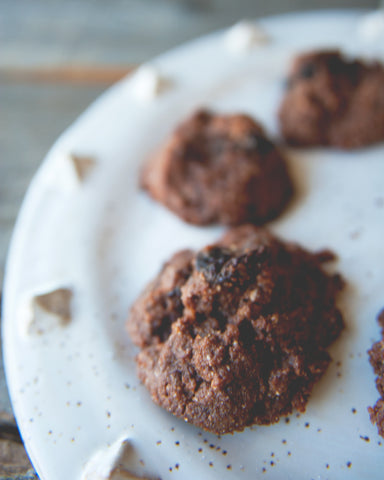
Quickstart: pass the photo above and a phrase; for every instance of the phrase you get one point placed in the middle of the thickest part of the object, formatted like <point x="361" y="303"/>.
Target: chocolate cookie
<point x="219" y="169"/>
<point x="331" y="100"/>
<point x="236" y="334"/>
<point x="376" y="357"/>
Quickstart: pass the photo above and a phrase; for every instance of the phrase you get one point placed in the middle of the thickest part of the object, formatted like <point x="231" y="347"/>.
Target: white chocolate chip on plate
<point x="244" y="36"/>
<point x="43" y="312"/>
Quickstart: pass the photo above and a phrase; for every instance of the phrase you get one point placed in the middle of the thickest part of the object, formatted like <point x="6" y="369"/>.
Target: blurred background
<point x="56" y="57"/>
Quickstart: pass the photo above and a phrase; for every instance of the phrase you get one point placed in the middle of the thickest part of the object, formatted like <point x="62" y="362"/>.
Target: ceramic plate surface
<point x="87" y="241"/>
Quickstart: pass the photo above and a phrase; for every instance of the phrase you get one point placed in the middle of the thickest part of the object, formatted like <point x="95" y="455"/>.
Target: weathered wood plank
<point x="122" y="32"/>
<point x="14" y="462"/>
<point x="87" y="75"/>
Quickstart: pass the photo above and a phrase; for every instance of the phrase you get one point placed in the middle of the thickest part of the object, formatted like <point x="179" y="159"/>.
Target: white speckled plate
<point x="73" y="385"/>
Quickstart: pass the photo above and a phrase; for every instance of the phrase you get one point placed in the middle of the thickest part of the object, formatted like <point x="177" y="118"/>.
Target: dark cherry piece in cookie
<point x="219" y="169"/>
<point x="376" y="358"/>
<point x="331" y="100"/>
<point x="237" y="333"/>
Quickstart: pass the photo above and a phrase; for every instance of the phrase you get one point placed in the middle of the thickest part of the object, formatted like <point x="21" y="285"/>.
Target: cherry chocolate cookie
<point x="236" y="334"/>
<point x="219" y="169"/>
<point x="333" y="101"/>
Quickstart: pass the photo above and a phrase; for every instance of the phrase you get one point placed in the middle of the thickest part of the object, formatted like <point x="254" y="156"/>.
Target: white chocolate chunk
<point x="70" y="170"/>
<point x="115" y="462"/>
<point x="46" y="311"/>
<point x="244" y="36"/>
<point x="148" y="83"/>
<point x="82" y="165"/>
<point x="371" y="26"/>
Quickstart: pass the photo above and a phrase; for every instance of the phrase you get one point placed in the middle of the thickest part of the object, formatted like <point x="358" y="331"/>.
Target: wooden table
<point x="56" y="57"/>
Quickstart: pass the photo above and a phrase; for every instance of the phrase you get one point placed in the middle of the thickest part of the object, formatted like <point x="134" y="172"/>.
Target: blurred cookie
<point x="236" y="334"/>
<point x="376" y="358"/>
<point x="331" y="100"/>
<point x="219" y="169"/>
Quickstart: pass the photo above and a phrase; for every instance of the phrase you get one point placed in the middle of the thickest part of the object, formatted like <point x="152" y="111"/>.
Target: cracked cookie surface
<point x="236" y="333"/>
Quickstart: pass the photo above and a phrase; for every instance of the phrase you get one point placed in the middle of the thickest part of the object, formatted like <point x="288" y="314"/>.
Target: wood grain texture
<point x="14" y="462"/>
<point x="86" y="75"/>
<point x="123" y="32"/>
